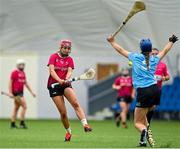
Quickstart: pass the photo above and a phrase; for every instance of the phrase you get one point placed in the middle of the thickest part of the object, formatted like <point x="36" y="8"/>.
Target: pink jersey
<point x="126" y="86"/>
<point x="61" y="66"/>
<point x="18" y="81"/>
<point x="161" y="71"/>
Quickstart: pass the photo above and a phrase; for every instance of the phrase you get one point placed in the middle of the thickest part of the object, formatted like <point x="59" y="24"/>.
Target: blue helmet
<point x="146" y="45"/>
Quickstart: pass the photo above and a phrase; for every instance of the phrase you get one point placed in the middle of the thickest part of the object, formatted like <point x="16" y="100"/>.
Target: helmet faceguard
<point x="20" y="63"/>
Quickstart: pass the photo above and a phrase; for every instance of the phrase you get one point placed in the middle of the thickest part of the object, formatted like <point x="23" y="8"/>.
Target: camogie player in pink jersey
<point x="124" y="87"/>
<point x="161" y="75"/>
<point x="16" y="88"/>
<point x="61" y="67"/>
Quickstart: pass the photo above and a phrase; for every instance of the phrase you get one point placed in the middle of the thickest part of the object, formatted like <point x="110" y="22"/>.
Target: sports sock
<point x="13" y="124"/>
<point x="22" y="122"/>
<point x="149" y="116"/>
<point x="84" y="122"/>
<point x="143" y="136"/>
<point x="69" y="130"/>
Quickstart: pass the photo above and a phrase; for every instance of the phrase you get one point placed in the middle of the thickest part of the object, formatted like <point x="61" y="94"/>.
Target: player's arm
<point x="69" y="73"/>
<point x="166" y="76"/>
<point x="116" y="46"/>
<point x="133" y="93"/>
<point x="30" y="89"/>
<point x="116" y="87"/>
<point x="168" y="46"/>
<point x="54" y="75"/>
<point x="10" y="88"/>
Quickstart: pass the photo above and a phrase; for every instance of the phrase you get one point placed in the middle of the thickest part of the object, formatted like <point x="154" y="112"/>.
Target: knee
<point x="24" y="108"/>
<point x="63" y="114"/>
<point x="16" y="108"/>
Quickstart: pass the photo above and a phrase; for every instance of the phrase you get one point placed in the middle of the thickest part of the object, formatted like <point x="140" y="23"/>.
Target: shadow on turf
<point x="167" y="145"/>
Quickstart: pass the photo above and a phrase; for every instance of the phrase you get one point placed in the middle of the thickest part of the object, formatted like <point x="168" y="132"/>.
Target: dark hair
<point x="147" y="57"/>
<point x="155" y="49"/>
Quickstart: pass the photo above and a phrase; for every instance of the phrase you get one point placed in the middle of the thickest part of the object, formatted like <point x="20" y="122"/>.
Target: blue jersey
<point x="142" y="77"/>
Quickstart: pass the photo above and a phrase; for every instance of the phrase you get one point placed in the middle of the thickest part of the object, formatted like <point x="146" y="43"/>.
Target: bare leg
<point x="59" y="102"/>
<point x="125" y="108"/>
<point x="24" y="109"/>
<point x="15" y="111"/>
<point x="140" y="120"/>
<point x="71" y="97"/>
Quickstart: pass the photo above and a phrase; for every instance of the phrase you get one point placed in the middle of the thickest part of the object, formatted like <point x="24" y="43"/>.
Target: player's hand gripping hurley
<point x="88" y="75"/>
<point x="137" y="7"/>
<point x="16" y="98"/>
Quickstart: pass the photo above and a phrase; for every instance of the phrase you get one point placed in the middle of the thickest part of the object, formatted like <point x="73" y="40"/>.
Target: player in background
<point x="161" y="75"/>
<point x="61" y="67"/>
<point x="124" y="87"/>
<point x="16" y="88"/>
<point x="143" y="69"/>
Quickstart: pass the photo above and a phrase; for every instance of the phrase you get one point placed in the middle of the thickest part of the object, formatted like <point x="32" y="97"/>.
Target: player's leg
<point x="23" y="113"/>
<point x="150" y="114"/>
<point x="71" y="97"/>
<point x="117" y="114"/>
<point x="141" y="124"/>
<point x="124" y="111"/>
<point x="14" y="114"/>
<point x="59" y="102"/>
<point x="149" y="131"/>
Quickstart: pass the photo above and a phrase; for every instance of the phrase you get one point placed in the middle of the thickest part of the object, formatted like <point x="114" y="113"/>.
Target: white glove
<point x="158" y="78"/>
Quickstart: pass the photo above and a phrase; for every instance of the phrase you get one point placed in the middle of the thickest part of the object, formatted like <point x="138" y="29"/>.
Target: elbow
<point x="51" y="71"/>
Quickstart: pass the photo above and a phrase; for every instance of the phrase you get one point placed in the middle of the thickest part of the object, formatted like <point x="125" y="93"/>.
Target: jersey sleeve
<point x="71" y="63"/>
<point x="117" y="82"/>
<point x="157" y="59"/>
<point x="131" y="56"/>
<point x="52" y="60"/>
<point x="13" y="76"/>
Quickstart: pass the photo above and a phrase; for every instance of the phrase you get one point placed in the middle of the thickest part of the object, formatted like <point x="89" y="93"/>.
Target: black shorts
<point x="21" y="94"/>
<point x="148" y="96"/>
<point x="126" y="99"/>
<point x="58" y="90"/>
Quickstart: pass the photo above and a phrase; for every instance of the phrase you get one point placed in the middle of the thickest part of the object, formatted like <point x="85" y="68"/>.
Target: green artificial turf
<point x="50" y="134"/>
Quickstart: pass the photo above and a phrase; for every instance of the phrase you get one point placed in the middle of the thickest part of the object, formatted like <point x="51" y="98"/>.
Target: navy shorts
<point x="57" y="90"/>
<point x="148" y="96"/>
<point x="126" y="99"/>
<point x="21" y="94"/>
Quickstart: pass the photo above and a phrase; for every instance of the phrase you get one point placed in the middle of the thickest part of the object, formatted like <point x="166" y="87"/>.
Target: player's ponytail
<point x="146" y="48"/>
<point x="147" y="57"/>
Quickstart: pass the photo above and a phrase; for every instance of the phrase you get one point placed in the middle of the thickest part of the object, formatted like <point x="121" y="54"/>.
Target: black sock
<point x="22" y="123"/>
<point x="13" y="124"/>
<point x="143" y="136"/>
<point x="116" y="114"/>
<point x="149" y="116"/>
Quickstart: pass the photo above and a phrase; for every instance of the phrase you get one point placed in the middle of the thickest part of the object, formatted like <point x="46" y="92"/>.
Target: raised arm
<point x="116" y="46"/>
<point x="168" y="46"/>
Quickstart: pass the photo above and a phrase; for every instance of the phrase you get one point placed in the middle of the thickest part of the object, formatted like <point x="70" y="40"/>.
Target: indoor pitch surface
<point x="50" y="133"/>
